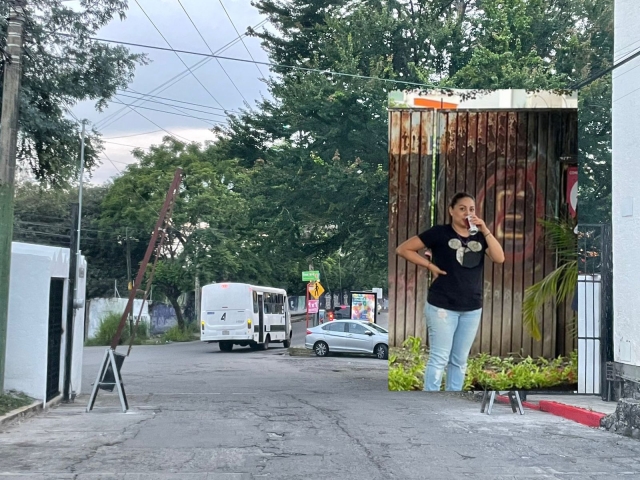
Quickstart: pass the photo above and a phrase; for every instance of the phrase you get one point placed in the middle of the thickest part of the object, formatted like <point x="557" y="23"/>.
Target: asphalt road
<point x="198" y="413"/>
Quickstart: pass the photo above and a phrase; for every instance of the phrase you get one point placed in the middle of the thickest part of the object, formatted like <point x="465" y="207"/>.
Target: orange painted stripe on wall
<point x="428" y="103"/>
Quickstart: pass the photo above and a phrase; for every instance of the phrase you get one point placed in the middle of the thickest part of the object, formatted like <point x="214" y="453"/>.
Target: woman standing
<point x="454" y="303"/>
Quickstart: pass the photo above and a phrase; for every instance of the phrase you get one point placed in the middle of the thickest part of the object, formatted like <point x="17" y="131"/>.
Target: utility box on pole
<point x="8" y="141"/>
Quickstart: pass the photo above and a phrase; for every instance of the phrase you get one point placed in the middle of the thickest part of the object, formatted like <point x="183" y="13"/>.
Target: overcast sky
<point x="216" y="28"/>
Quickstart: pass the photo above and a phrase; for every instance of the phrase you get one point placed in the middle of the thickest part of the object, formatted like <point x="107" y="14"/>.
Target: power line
<point x="169" y="105"/>
<point x="178" y="101"/>
<point x="125" y="145"/>
<point x="207" y="44"/>
<point x="245" y="45"/>
<point x="133" y="135"/>
<point x="149" y="120"/>
<point x="176" y="53"/>
<point x="604" y="71"/>
<point x="169" y="113"/>
<point x="172" y="81"/>
<point x="269" y="64"/>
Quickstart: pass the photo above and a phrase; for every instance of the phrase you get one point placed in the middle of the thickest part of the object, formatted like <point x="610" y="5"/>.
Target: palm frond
<point x="555" y="287"/>
<point x="560" y="237"/>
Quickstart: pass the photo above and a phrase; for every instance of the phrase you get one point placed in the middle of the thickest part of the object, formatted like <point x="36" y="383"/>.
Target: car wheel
<point x="381" y="351"/>
<point x="321" y="349"/>
<point x="225" y="346"/>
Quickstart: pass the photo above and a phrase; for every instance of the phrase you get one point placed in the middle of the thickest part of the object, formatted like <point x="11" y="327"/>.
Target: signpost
<point x="312" y="306"/>
<point x="315" y="289"/>
<point x="313" y="277"/>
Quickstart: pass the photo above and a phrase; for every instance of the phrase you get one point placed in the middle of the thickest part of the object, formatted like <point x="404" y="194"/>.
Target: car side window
<point x="357" y="329"/>
<point x="334" y="327"/>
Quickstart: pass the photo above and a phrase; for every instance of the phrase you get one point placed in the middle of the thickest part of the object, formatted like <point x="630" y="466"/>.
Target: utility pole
<point x="71" y="297"/>
<point x="74" y="302"/>
<point x="8" y="142"/>
<point x="129" y="284"/>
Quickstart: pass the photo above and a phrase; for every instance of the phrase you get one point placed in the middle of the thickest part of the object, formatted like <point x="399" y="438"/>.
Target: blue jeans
<point x="451" y="336"/>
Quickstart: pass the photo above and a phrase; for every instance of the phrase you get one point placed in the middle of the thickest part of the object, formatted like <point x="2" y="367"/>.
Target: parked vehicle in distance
<point x="245" y="315"/>
<point x="348" y="336"/>
<point x="343" y="311"/>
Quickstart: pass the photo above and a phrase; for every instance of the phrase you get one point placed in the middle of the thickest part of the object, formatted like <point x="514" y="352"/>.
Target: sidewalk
<point x="585" y="409"/>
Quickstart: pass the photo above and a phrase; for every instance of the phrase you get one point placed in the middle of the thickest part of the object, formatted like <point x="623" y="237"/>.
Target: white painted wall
<point x="500" y="99"/>
<point x="100" y="307"/>
<point x="32" y="268"/>
<point x="27" y="328"/>
<point x="626" y="186"/>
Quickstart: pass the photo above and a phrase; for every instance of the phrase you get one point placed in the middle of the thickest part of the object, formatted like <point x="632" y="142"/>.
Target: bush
<point x="175" y="334"/>
<point x="12" y="400"/>
<point x="406" y="372"/>
<point x="407" y="365"/>
<point x="109" y="326"/>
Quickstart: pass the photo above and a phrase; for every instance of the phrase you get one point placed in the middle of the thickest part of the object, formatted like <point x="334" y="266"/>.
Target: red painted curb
<point x="505" y="399"/>
<point x="577" y="414"/>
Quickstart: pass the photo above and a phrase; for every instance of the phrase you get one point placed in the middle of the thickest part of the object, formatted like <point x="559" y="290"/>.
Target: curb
<point x="28" y="411"/>
<point x="569" y="412"/>
<point x="300" y="352"/>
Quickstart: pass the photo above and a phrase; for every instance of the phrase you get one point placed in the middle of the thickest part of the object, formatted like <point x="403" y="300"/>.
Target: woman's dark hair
<point x="459" y="196"/>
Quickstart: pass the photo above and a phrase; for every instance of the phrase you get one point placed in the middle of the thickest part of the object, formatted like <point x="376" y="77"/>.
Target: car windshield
<point x="378" y="328"/>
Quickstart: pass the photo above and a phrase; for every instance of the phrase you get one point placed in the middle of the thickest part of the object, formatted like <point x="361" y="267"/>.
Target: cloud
<point x="119" y="145"/>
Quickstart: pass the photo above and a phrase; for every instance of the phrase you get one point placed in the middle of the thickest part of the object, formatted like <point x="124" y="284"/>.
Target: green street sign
<point x="311" y="276"/>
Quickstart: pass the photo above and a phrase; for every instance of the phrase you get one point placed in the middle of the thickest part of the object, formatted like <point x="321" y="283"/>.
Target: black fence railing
<point x="594" y="326"/>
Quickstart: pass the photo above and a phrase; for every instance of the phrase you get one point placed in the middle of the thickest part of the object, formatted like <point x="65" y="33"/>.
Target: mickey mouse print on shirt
<point x="468" y="253"/>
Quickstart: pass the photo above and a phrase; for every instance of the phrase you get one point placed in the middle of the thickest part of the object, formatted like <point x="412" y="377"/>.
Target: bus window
<point x="255" y="302"/>
<point x="280" y="306"/>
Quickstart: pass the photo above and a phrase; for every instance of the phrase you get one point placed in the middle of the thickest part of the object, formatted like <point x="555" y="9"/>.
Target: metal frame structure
<point x="595" y="264"/>
<point x="109" y="374"/>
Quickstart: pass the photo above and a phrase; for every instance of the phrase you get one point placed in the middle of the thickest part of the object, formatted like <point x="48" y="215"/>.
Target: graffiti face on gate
<point x="513" y="191"/>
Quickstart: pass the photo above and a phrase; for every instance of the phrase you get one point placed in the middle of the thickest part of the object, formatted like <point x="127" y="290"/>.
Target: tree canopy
<point x="302" y="179"/>
<point x="59" y="71"/>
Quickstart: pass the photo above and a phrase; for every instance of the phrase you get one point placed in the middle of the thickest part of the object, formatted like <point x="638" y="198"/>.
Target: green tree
<point x="204" y="236"/>
<point x="58" y="72"/>
<point x="43" y="216"/>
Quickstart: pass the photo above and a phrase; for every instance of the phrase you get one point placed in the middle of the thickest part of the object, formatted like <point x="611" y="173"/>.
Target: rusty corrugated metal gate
<point x="512" y="161"/>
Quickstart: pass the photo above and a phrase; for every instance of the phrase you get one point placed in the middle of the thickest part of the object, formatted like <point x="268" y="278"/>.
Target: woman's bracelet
<point x="486" y="235"/>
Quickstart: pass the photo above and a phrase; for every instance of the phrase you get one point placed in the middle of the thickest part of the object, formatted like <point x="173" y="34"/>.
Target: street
<point x="198" y="413"/>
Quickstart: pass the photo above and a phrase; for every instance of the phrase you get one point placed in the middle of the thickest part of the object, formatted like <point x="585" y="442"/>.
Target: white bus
<point x="246" y="315"/>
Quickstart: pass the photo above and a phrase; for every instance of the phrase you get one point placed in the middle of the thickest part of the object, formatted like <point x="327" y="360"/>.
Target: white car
<point x="348" y="336"/>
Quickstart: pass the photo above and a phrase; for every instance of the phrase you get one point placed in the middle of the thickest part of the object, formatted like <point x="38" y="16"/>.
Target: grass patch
<point x="109" y="326"/>
<point x="175" y="334"/>
<point x="11" y="400"/>
<point x="484" y="372"/>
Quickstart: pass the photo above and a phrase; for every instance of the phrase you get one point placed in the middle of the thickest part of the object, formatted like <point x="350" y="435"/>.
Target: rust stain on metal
<point x="510" y="161"/>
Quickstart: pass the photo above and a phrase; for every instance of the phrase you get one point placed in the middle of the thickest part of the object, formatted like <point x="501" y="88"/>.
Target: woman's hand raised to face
<point x="478" y="222"/>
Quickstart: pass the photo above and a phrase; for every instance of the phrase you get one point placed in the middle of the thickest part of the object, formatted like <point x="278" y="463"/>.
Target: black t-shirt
<point x="463" y="260"/>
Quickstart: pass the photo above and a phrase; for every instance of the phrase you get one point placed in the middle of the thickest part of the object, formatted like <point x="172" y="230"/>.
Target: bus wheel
<point x="265" y="345"/>
<point x="287" y="343"/>
<point x="225" y="346"/>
